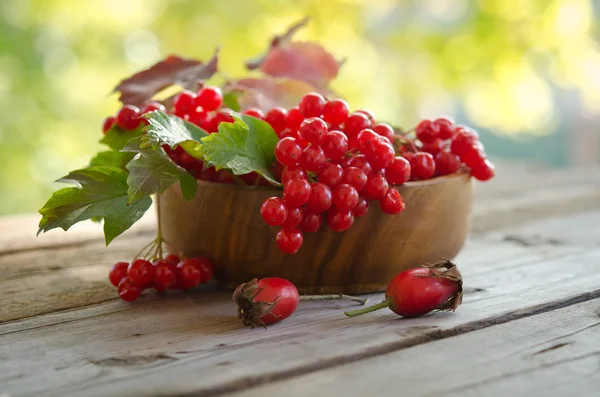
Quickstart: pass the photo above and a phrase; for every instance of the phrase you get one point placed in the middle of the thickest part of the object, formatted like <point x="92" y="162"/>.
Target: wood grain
<point x="224" y="222"/>
<point x="556" y="353"/>
<point x="162" y="347"/>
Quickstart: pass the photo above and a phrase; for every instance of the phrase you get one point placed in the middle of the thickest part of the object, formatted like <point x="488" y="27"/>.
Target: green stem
<point x="159" y="236"/>
<point x="333" y="297"/>
<point x="353" y="313"/>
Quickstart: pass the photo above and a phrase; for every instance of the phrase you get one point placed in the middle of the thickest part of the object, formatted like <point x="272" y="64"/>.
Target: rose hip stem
<point x="358" y="312"/>
<point x="333" y="297"/>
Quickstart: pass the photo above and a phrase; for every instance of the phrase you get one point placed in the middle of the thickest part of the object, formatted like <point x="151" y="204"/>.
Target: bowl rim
<point x="411" y="184"/>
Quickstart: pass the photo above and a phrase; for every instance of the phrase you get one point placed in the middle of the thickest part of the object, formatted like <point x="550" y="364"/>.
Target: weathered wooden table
<point x="529" y="325"/>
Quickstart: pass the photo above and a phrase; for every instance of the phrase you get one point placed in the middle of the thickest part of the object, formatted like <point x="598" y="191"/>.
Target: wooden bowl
<point x="223" y="222"/>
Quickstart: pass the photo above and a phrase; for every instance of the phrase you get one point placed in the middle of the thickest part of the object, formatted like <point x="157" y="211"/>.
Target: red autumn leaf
<point x="188" y="73"/>
<point x="306" y="61"/>
<point x="267" y="92"/>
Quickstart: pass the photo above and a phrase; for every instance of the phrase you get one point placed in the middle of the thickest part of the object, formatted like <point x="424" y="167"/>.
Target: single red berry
<point x="294" y="217"/>
<point x="446" y="163"/>
<point x="198" y="117"/>
<point x="296" y="193"/>
<point x="255" y="113"/>
<point x="382" y="155"/>
<point x="185" y="102"/>
<point x="174" y="259"/>
<point x="189" y="273"/>
<point x="118" y="272"/>
<point x="108" y="123"/>
<point x="360" y="161"/>
<point x="223" y="176"/>
<point x="207" y="269"/>
<point x="128" y="117"/>
<point x="294" y="119"/>
<point x="289" y="240"/>
<point x="422" y="166"/>
<point x="339" y="220"/>
<point x="484" y="172"/>
<point x="320" y="197"/>
<point x="345" y="197"/>
<point x="140" y="272"/>
<point x="335" y="111"/>
<point x="129" y="291"/>
<point x="384" y="130"/>
<point x="288" y="151"/>
<point x="376" y="187"/>
<point x="355" y="123"/>
<point x="313" y="130"/>
<point x="392" y="203"/>
<point x="273" y="211"/>
<point x="446" y="127"/>
<point x="335" y="145"/>
<point x="311" y="222"/>
<point x="311" y="105"/>
<point x="276" y="118"/>
<point x="355" y="177"/>
<point x="209" y="98"/>
<point x="367" y="113"/>
<point x="464" y="130"/>
<point x="313" y="158"/>
<point x="367" y="140"/>
<point x="433" y="147"/>
<point x="223" y="116"/>
<point x="398" y="172"/>
<point x="292" y="172"/>
<point x="152" y="106"/>
<point x="427" y="131"/>
<point x="164" y="274"/>
<point x="361" y="208"/>
<point x="473" y="157"/>
<point x="330" y="174"/>
<point x="266" y="301"/>
<point x="462" y="141"/>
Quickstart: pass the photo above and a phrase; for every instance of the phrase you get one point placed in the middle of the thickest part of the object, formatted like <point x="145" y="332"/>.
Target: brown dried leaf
<point x="188" y="73"/>
<point x="305" y="61"/>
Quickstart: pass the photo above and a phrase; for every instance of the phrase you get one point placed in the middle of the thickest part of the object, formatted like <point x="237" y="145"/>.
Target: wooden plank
<point x="193" y="344"/>
<point x="47" y="280"/>
<point x="556" y="353"/>
<point x="518" y="193"/>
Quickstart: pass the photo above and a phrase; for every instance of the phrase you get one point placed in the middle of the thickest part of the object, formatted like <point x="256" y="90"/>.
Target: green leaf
<point x="243" y="146"/>
<point x="116" y="137"/>
<point x="101" y="192"/>
<point x="112" y="158"/>
<point x="152" y="171"/>
<point x="230" y="100"/>
<point x="171" y="130"/>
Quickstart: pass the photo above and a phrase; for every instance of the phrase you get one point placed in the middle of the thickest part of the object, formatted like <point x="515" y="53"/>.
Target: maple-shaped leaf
<point x="188" y="73"/>
<point x="165" y="129"/>
<point x="101" y="192"/>
<point x="244" y="146"/>
<point x="267" y="92"/>
<point x="305" y="61"/>
<point x="152" y="171"/>
<point x="116" y="138"/>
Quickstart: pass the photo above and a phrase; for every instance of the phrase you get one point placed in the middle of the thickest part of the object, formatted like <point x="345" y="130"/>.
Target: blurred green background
<point x="525" y="73"/>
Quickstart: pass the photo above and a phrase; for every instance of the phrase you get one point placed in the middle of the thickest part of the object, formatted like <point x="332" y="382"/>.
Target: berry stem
<point x="159" y="236"/>
<point x="384" y="304"/>
<point x="333" y="297"/>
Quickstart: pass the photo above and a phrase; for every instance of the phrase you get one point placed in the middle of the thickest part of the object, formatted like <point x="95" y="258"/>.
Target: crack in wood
<point x="554" y="347"/>
<point x="127" y="361"/>
<point x="532" y="241"/>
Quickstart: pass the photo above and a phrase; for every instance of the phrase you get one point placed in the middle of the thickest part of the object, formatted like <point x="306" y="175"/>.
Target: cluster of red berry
<point x="129" y="117"/>
<point x="169" y="273"/>
<point x="335" y="162"/>
<point x="451" y="146"/>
